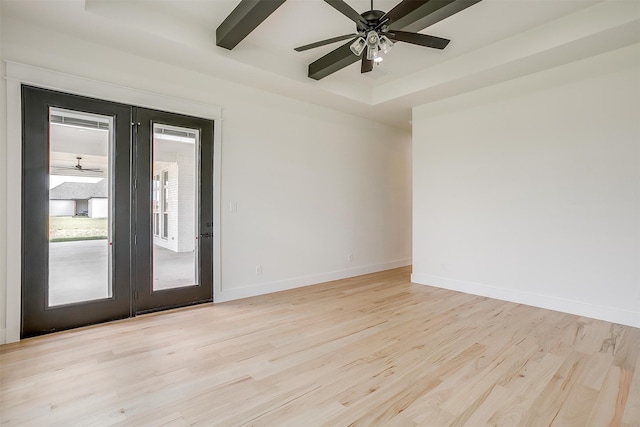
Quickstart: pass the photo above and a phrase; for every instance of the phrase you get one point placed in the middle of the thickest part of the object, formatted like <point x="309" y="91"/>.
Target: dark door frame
<point x="146" y="299"/>
<point x="17" y="74"/>
<point x="36" y="317"/>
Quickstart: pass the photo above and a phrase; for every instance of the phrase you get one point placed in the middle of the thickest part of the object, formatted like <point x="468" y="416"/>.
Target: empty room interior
<point x="332" y="213"/>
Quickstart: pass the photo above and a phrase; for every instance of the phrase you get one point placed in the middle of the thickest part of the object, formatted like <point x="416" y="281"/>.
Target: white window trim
<point x="18" y="74"/>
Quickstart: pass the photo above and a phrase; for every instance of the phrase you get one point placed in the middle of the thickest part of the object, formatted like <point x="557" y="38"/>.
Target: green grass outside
<point x="66" y="228"/>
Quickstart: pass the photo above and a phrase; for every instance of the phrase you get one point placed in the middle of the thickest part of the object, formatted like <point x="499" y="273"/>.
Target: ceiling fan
<point x="374" y="33"/>
<point x="77" y="167"/>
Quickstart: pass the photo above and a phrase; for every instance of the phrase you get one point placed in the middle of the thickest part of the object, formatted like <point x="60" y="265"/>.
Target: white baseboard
<point x="298" y="282"/>
<point x="610" y="314"/>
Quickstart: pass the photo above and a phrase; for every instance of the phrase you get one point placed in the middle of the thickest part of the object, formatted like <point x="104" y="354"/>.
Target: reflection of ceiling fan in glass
<point x="77" y="167"/>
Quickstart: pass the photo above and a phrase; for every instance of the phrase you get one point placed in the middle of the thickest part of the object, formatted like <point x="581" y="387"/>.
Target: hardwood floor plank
<point x="610" y="405"/>
<point x="368" y="350"/>
<point x="572" y="412"/>
<point x="525" y="388"/>
<point x="547" y="406"/>
<point x="631" y="416"/>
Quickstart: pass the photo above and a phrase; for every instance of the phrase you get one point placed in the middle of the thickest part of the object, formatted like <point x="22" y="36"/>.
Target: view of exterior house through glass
<point x="80" y="151"/>
<point x="174" y="206"/>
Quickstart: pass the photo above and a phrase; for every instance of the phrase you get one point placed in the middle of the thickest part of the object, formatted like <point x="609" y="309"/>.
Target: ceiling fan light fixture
<point x="372" y="39"/>
<point x="385" y="44"/>
<point x="378" y="59"/>
<point x="357" y="47"/>
<point x="372" y="53"/>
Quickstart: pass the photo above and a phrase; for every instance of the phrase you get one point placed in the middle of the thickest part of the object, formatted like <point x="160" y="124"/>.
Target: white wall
<point x="186" y="208"/>
<point x="173" y="237"/>
<point x="98" y="207"/>
<point x="62" y="207"/>
<point x="3" y="192"/>
<point x="529" y="191"/>
<point x="311" y="185"/>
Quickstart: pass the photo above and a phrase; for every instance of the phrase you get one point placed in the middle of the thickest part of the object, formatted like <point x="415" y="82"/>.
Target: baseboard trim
<point x="3" y="336"/>
<point x="298" y="282"/>
<point x="610" y="314"/>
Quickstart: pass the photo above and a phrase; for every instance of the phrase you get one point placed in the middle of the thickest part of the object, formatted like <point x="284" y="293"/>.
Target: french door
<point x="116" y="211"/>
<point x="173" y="210"/>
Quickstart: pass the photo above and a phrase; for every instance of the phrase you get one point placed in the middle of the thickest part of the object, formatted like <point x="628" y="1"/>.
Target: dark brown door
<point x="173" y="210"/>
<point x="116" y="211"/>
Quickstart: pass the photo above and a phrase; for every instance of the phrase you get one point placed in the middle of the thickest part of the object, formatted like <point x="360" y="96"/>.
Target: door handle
<point x="206" y="235"/>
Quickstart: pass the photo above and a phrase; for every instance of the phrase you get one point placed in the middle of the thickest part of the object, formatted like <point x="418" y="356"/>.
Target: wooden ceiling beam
<point x="243" y="20"/>
<point x="429" y="13"/>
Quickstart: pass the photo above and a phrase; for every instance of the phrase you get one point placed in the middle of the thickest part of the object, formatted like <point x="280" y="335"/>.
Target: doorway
<point x="102" y="237"/>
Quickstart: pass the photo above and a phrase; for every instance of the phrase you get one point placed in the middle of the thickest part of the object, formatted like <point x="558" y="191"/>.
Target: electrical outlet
<point x="350" y="257"/>
<point x="233" y="207"/>
<point x="258" y="270"/>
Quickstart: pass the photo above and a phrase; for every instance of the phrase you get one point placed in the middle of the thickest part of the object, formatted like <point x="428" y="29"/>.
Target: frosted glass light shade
<point x="372" y="39"/>
<point x="358" y="46"/>
<point x="372" y="53"/>
<point x="385" y="44"/>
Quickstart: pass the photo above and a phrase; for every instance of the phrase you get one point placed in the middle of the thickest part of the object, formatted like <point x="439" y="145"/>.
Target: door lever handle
<point x="206" y="235"/>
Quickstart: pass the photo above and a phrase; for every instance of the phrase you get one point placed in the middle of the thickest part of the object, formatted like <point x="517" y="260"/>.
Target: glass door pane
<point x="80" y="203"/>
<point x="174" y="206"/>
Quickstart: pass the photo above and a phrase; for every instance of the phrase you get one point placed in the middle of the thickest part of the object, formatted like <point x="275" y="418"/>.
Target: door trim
<point x="18" y="74"/>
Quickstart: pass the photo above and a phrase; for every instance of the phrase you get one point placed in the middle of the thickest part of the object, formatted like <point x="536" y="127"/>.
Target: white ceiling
<point x="491" y="41"/>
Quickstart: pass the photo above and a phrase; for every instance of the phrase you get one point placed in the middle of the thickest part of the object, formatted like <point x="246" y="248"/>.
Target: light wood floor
<point x="371" y="350"/>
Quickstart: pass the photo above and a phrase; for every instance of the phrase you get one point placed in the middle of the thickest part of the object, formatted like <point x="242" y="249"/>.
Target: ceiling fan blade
<point x="367" y="64"/>
<point x="332" y="62"/>
<point x="347" y="11"/>
<point x="419" y="39"/>
<point x="402" y="9"/>
<point x="428" y="13"/>
<point x="324" y="42"/>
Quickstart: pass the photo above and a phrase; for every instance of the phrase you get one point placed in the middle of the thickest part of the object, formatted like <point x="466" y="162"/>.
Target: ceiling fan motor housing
<point x="372" y="17"/>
